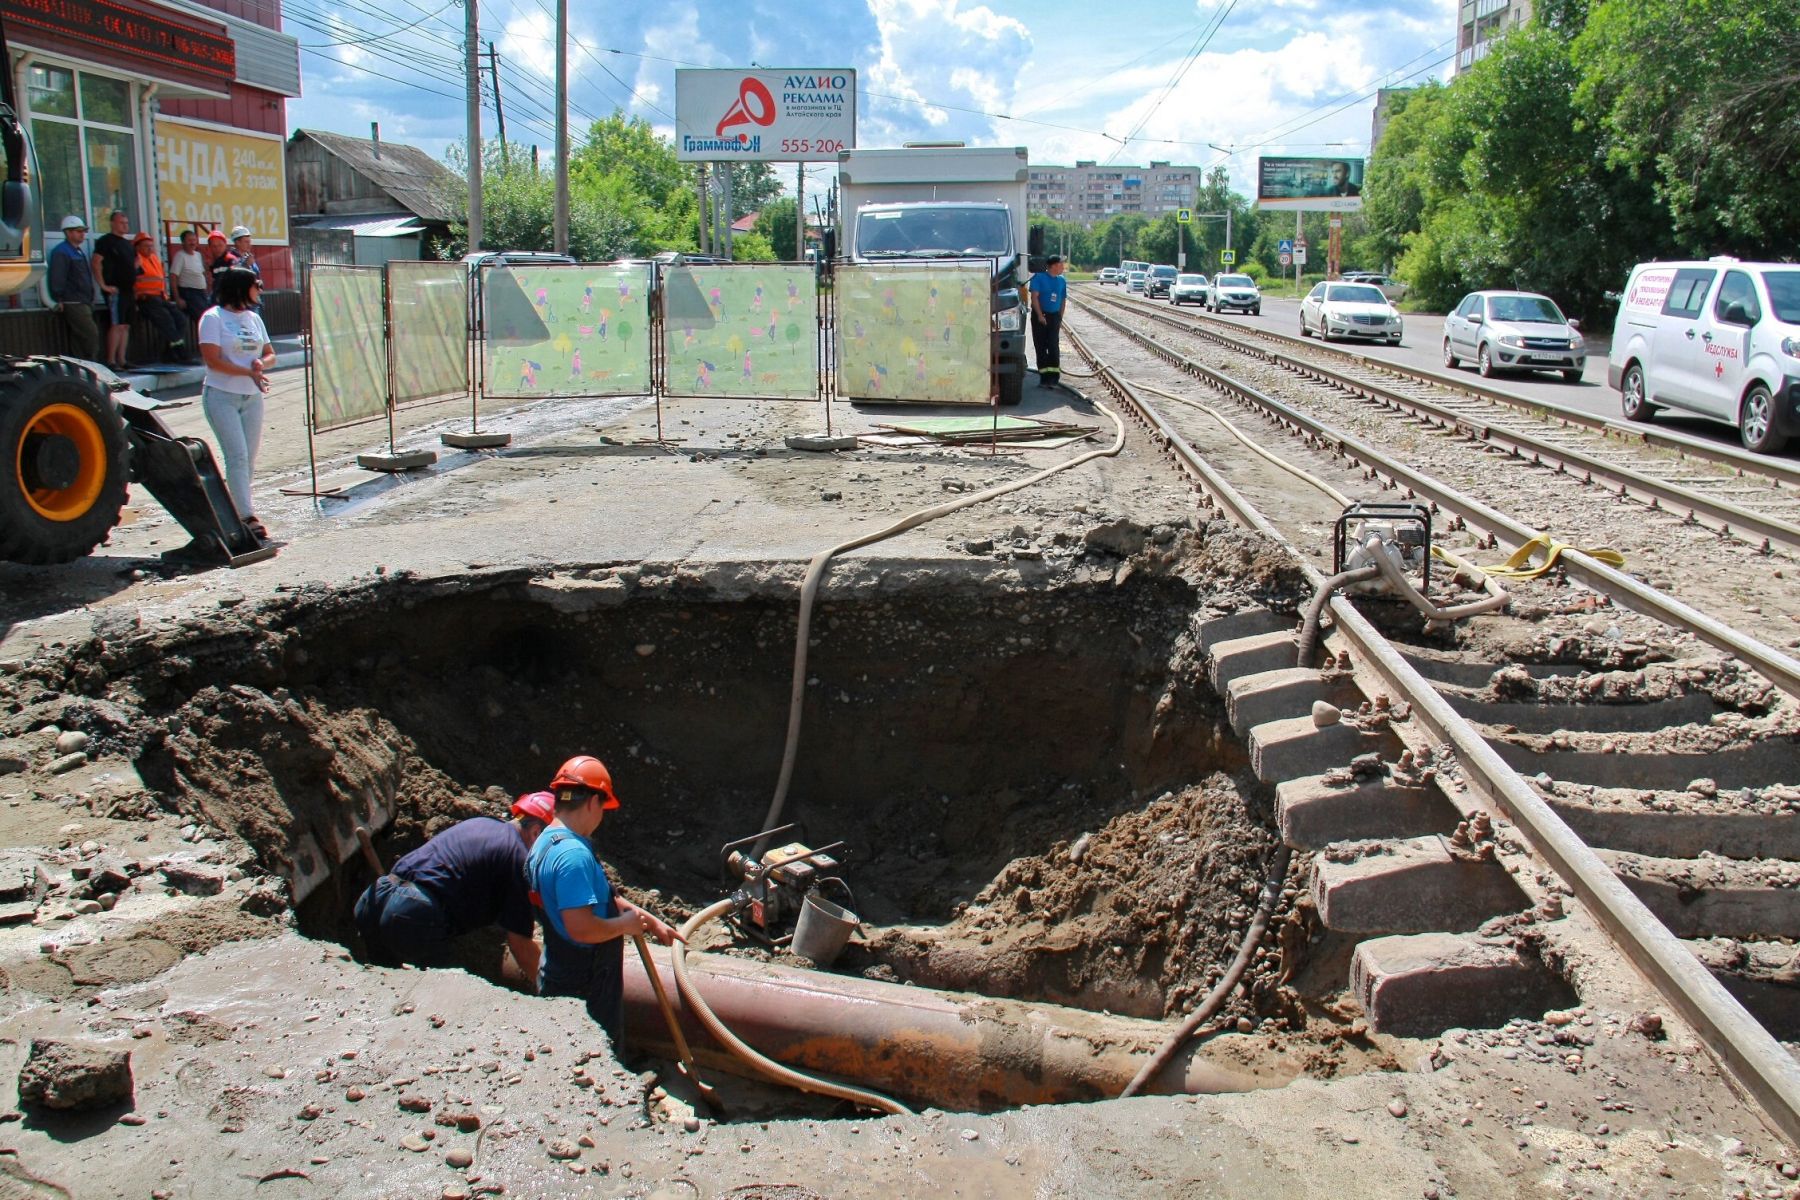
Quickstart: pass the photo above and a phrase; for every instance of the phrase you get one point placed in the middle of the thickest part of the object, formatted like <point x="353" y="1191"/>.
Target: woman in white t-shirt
<point x="235" y="344"/>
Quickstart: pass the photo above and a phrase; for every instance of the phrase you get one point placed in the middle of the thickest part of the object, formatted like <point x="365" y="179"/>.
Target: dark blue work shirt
<point x="475" y="870"/>
<point x="1050" y="289"/>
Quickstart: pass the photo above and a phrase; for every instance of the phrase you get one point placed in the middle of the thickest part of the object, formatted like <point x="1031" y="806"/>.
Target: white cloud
<point x="529" y="40"/>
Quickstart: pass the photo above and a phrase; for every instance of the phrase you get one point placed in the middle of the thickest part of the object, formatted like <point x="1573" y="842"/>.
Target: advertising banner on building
<point x="742" y="330"/>
<point x="751" y="116"/>
<point x="222" y="177"/>
<point x="1310" y="184"/>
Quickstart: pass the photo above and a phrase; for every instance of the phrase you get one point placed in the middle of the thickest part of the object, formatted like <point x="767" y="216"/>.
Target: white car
<point x="1719" y="339"/>
<point x="1188" y="289"/>
<point x="1234" y="291"/>
<point x="1110" y="275"/>
<point x="1350" y="310"/>
<point x="1390" y="287"/>
<point x="1134" y="282"/>
<point x="1513" y="331"/>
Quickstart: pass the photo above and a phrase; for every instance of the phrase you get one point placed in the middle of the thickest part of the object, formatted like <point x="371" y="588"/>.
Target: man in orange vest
<point x="151" y="289"/>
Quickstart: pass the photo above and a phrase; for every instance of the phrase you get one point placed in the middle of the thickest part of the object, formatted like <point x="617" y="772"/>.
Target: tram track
<point x="1753" y="498"/>
<point x="1513" y="768"/>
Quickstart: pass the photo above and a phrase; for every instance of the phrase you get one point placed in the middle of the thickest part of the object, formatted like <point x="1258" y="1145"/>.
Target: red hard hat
<point x="540" y="806"/>
<point x="586" y="771"/>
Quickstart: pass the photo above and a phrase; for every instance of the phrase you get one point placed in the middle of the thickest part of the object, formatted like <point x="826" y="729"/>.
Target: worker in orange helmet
<point x="469" y="876"/>
<point x="585" y="923"/>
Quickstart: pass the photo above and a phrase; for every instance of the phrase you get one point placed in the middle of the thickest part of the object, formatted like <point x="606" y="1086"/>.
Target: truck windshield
<point x="933" y="233"/>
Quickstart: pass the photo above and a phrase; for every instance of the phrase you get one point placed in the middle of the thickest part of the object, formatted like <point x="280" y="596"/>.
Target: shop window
<point x="82" y="126"/>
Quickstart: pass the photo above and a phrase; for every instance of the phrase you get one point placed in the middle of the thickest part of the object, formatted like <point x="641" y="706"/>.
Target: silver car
<point x="1134" y="282"/>
<point x="1513" y="331"/>
<point x="1188" y="289"/>
<point x="1350" y="310"/>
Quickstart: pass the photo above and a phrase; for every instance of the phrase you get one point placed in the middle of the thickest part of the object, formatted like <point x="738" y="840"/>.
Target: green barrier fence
<point x="914" y="333"/>
<point x="748" y="329"/>
<point x="428" y="330"/>
<point x="566" y="330"/>
<point x="346" y="370"/>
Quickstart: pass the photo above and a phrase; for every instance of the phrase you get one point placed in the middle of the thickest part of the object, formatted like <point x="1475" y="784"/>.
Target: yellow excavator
<point x="72" y="440"/>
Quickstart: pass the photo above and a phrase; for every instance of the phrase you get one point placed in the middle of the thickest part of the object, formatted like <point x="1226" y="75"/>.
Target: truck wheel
<point x="1012" y="388"/>
<point x="62" y="462"/>
<point x="1633" y="399"/>
<point x="1756" y="422"/>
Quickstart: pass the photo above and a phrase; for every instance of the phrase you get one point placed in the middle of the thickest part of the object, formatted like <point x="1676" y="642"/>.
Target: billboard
<point x="1310" y="184"/>
<point x="769" y="116"/>
<point x="226" y="177"/>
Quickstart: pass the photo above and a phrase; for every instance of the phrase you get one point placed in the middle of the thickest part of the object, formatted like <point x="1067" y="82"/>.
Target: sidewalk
<point x="289" y="352"/>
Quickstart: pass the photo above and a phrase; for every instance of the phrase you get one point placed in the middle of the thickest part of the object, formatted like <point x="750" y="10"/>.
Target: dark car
<point x="1159" y="281"/>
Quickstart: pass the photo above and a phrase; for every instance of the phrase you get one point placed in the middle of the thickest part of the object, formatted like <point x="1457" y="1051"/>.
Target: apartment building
<point x="1089" y="193"/>
<point x="1479" y="23"/>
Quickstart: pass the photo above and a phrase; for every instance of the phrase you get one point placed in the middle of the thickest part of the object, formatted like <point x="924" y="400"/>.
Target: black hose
<point x="1309" y="628"/>
<point x="1215" y="999"/>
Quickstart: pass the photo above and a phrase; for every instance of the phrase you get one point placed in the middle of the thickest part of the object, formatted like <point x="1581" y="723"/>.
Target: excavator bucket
<point x="181" y="474"/>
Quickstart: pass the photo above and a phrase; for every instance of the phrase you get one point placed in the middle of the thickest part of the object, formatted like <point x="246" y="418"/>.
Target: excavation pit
<point x="1040" y="797"/>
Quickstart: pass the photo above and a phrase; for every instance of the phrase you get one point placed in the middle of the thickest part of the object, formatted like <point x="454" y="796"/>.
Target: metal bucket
<point x="822" y="930"/>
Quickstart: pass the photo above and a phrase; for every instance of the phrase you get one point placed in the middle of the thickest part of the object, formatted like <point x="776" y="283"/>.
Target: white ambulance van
<point x="1719" y="339"/>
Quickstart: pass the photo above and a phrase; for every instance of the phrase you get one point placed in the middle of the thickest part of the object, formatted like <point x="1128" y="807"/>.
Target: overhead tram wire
<point x="377" y="37"/>
<point x="1193" y="56"/>
<point x="1281" y="137"/>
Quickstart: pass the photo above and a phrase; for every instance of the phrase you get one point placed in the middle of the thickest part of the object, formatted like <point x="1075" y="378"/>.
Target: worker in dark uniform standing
<point x="469" y="876"/>
<point x="1049" y="291"/>
<point x="585" y="924"/>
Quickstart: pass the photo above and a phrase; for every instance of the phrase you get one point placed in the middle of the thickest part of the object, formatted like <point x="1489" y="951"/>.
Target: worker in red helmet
<point x="469" y="876"/>
<point x="585" y="923"/>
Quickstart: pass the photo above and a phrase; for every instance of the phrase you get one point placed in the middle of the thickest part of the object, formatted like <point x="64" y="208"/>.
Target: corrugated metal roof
<point x="266" y="58"/>
<point x="382" y="225"/>
<point x="412" y="177"/>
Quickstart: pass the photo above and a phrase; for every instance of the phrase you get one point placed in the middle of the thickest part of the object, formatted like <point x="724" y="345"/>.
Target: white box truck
<point x="936" y="202"/>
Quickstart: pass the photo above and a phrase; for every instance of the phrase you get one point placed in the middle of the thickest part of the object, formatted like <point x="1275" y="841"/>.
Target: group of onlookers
<point x="125" y="277"/>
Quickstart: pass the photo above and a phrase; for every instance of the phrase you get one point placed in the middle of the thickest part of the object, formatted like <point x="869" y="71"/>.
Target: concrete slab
<point x="1409" y="886"/>
<point x="1295" y="747"/>
<point x="1249" y="656"/>
<point x="1272" y="695"/>
<point x="1313" y="814"/>
<point x="411" y="460"/>
<point x="476" y="441"/>
<point x="1422" y="984"/>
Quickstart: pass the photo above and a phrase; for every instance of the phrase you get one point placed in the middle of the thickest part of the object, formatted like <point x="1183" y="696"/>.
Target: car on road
<point x="1350" y="310"/>
<point x="1513" y="331"/>
<point x="1719" y="339"/>
<point x="1188" y="289"/>
<point x="1110" y="275"/>
<point x="1158" y="282"/>
<point x="1134" y="282"/>
<point x="1390" y="287"/>
<point x="1234" y="292"/>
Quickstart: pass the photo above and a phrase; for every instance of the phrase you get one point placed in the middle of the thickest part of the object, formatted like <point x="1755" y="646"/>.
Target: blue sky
<point x="1126" y="80"/>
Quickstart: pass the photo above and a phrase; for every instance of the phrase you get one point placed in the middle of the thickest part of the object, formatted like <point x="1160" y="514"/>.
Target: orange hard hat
<point x="586" y="771"/>
<point x="539" y="806"/>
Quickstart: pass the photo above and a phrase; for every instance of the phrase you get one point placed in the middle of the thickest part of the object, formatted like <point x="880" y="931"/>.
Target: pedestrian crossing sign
<point x="1184" y="216"/>
<point x="1228" y="257"/>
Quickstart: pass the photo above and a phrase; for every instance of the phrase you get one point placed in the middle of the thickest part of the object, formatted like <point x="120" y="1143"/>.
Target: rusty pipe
<point x="948" y="1050"/>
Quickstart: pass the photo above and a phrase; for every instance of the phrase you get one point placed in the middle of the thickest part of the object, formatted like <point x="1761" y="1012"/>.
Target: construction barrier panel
<point x="578" y="329"/>
<point x="915" y="332"/>
<point x="749" y="329"/>
<point x="346" y="363"/>
<point x="428" y="330"/>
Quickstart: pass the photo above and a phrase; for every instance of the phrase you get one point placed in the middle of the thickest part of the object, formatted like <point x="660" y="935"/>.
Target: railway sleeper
<point x="1317" y="810"/>
<point x="1672" y="825"/>
<point x="1419" y="985"/>
<point x="1409" y="885"/>
<point x="1764" y="976"/>
<point x="1714" y="897"/>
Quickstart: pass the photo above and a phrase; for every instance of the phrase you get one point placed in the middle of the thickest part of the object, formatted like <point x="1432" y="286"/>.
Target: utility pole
<point x="800" y="214"/>
<point x="499" y="112"/>
<point x="701" y="171"/>
<point x="561" y="235"/>
<point x="472" y="80"/>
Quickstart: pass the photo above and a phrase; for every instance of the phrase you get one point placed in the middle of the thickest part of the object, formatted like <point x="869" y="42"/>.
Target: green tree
<point x="754" y="185"/>
<point x="754" y="247"/>
<point x="776" y="224"/>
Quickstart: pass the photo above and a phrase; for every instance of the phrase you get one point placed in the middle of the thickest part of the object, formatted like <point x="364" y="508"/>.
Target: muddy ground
<point x="1068" y="820"/>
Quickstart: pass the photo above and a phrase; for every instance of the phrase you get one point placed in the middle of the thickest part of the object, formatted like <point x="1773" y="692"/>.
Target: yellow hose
<point x="735" y="1044"/>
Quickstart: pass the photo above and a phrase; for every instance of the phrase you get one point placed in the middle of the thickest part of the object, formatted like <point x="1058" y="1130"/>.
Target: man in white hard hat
<point x="71" y="286"/>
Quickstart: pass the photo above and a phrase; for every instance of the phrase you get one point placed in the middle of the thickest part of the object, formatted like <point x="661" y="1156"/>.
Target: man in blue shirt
<point x="469" y="876"/>
<point x="585" y="924"/>
<point x="71" y="286"/>
<point x="1049" y="290"/>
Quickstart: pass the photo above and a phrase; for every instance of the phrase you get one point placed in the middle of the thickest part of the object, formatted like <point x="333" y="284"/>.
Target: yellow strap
<point x="1519" y="566"/>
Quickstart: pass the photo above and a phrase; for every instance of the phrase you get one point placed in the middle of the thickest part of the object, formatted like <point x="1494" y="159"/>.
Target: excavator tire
<point x="63" y="461"/>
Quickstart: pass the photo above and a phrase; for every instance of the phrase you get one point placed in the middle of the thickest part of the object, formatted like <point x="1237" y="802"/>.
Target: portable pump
<point x="773" y="886"/>
<point x="1404" y="534"/>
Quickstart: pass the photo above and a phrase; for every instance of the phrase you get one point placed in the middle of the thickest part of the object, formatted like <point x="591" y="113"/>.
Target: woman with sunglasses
<point x="235" y="345"/>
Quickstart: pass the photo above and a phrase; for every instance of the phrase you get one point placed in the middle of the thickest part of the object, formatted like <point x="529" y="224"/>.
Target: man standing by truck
<point x="1048" y="292"/>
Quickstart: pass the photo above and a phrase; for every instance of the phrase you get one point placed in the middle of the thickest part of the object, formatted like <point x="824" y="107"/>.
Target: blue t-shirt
<point x="475" y="870"/>
<point x="1050" y="289"/>
<point x="565" y="874"/>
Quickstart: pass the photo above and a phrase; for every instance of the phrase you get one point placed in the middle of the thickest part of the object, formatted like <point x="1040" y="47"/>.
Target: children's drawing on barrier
<point x="428" y="314"/>
<point x="916" y="334"/>
<point x="757" y="321"/>
<point x="347" y="356"/>
<point x="580" y="330"/>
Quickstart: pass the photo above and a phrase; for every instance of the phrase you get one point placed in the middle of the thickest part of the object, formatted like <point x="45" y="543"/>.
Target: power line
<point x="375" y="37"/>
<point x="1193" y="56"/>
